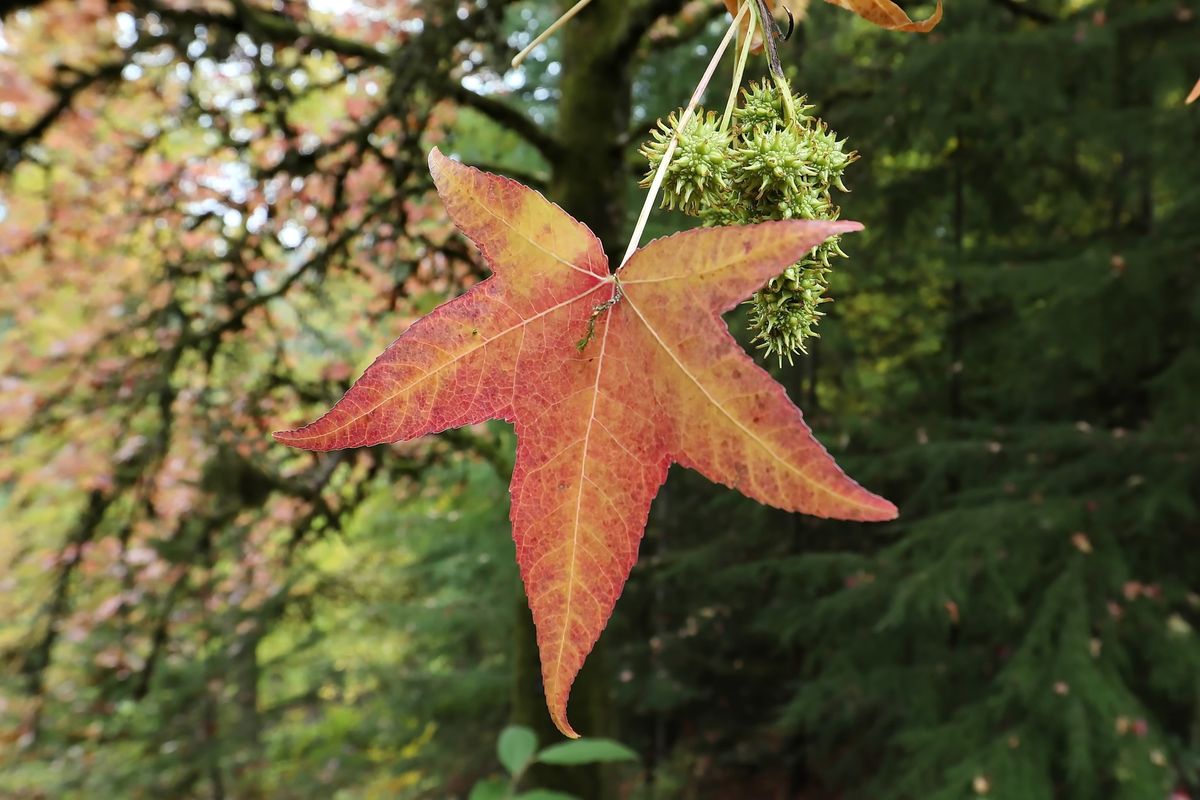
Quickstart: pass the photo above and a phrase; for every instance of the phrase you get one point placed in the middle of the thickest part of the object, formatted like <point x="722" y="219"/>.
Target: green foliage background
<point x="1013" y="357"/>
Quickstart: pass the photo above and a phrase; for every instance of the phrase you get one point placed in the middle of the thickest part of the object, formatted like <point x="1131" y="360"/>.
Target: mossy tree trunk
<point x="589" y="180"/>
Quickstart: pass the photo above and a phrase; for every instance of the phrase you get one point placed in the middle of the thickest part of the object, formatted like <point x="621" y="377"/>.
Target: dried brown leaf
<point x="887" y="14"/>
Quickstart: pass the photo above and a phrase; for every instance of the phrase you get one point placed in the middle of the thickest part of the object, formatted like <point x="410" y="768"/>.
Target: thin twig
<point x="550" y="31"/>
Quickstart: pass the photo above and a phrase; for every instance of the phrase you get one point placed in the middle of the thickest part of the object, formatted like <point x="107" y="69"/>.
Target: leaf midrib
<point x="427" y="375"/>
<point x="583" y="461"/>
<point x="720" y="407"/>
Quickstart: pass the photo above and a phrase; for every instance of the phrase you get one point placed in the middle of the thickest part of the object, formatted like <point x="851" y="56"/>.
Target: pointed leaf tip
<point x="845" y="226"/>
<point x="564" y="727"/>
<point x="556" y="703"/>
<point x="880" y="510"/>
<point x="437" y="162"/>
<point x="292" y="437"/>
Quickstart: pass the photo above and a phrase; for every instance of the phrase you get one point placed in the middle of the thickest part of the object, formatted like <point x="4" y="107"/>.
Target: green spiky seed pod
<point x="827" y="155"/>
<point x="732" y="213"/>
<point x="768" y="166"/>
<point x="813" y="202"/>
<point x="772" y="162"/>
<point x="786" y="311"/>
<point x="698" y="174"/>
<point x="761" y="106"/>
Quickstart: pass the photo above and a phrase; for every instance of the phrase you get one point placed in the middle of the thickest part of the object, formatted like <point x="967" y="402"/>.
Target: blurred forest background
<point x="214" y="214"/>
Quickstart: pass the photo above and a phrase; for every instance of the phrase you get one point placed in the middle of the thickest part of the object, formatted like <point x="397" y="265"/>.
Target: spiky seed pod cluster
<point x="775" y="161"/>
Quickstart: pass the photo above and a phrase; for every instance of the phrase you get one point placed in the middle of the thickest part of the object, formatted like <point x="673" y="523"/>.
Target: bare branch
<point x="13" y="143"/>
<point x="1019" y="9"/>
<point x="511" y="118"/>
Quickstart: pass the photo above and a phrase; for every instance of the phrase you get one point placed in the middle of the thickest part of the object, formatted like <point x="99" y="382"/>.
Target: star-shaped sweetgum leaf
<point x="660" y="381"/>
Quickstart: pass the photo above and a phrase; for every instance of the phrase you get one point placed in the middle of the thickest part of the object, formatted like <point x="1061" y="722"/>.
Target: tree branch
<point x="12" y="6"/>
<point x="11" y="143"/>
<point x="1019" y="9"/>
<point x="685" y="33"/>
<point x="510" y="118"/>
<point x="641" y="17"/>
<point x="270" y="27"/>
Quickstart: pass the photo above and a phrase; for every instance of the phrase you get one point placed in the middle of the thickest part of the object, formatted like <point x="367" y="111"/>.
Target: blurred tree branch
<point x="1021" y="9"/>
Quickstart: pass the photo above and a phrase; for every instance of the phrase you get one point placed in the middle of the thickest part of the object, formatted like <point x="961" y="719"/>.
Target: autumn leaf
<point x="660" y="381"/>
<point x="883" y="13"/>
<point x="887" y="14"/>
<point x="1194" y="95"/>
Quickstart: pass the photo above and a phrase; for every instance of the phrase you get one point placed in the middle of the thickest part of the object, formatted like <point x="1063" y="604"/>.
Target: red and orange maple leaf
<point x="660" y="382"/>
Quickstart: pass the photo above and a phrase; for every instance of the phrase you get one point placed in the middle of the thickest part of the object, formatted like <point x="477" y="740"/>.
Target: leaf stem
<point x="771" y="35"/>
<point x="740" y="69"/>
<point x="656" y="185"/>
<point x="550" y="31"/>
